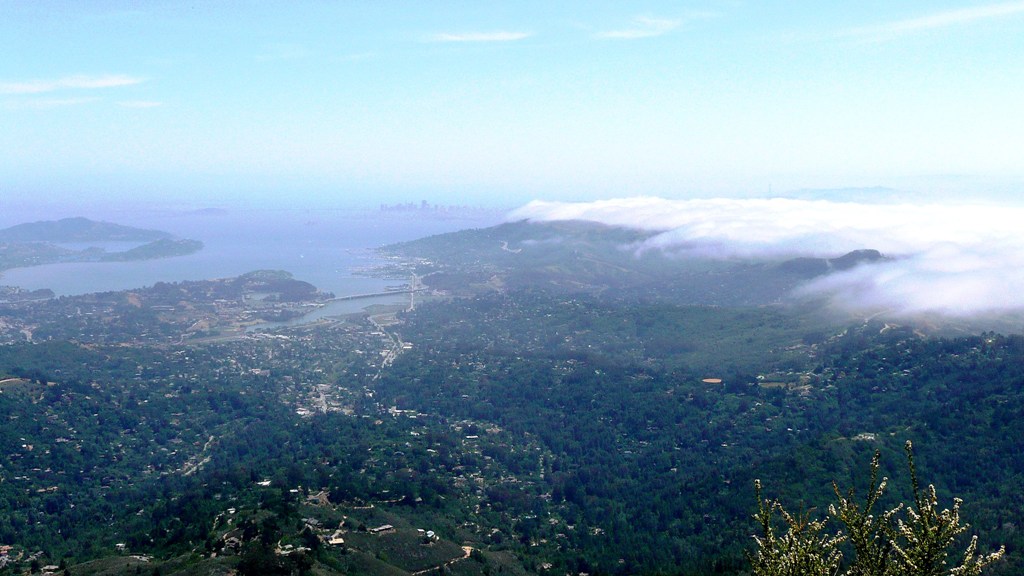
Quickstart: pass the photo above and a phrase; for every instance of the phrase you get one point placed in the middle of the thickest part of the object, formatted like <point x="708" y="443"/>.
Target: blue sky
<point x="498" y="103"/>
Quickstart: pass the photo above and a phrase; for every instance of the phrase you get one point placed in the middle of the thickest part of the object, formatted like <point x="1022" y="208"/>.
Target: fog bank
<point x="958" y="260"/>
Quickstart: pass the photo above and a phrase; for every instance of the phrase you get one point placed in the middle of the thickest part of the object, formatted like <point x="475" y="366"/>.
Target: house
<point x="232" y="541"/>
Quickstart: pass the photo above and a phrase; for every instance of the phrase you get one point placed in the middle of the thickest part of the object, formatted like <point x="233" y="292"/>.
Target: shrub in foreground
<point x="908" y="540"/>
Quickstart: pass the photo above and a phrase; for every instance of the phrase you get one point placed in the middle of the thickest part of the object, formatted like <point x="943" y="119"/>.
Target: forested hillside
<point x="493" y="429"/>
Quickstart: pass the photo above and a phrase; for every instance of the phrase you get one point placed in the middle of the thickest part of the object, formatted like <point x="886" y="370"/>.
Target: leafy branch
<point x="902" y="541"/>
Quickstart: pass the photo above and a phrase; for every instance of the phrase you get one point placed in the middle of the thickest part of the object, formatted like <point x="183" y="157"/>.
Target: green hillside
<point x="596" y="419"/>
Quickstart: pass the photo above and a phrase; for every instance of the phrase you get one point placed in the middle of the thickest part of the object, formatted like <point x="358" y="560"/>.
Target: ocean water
<point x="324" y="247"/>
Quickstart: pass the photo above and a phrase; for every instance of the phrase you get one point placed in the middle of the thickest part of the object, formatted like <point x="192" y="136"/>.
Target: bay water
<point x="326" y="247"/>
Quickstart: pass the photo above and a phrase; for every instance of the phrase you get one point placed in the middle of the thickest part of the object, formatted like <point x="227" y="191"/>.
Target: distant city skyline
<point x="495" y="104"/>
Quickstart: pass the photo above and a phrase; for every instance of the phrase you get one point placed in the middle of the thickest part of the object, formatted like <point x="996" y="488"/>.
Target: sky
<point x="499" y="103"/>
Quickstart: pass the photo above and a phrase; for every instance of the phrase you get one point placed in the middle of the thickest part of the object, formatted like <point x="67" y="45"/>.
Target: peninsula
<point x="46" y="242"/>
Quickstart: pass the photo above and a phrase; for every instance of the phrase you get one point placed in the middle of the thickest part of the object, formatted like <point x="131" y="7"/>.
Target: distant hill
<point x="78" y="230"/>
<point x="162" y="248"/>
<point x="38" y="243"/>
<point x="583" y="257"/>
<point x="817" y="266"/>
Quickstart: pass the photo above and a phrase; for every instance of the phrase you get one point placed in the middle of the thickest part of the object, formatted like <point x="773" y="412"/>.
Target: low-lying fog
<point x="957" y="260"/>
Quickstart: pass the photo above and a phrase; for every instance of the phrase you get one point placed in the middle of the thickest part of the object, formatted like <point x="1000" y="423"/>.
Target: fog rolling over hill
<point x="611" y="262"/>
<point x="955" y="260"/>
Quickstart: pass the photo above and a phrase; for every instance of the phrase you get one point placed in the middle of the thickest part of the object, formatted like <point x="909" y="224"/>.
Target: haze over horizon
<point x="499" y="104"/>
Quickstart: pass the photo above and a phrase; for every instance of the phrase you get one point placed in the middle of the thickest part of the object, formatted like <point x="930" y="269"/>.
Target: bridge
<point x="373" y="295"/>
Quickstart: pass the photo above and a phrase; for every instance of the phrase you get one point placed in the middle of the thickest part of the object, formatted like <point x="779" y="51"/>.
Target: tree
<point x="912" y="540"/>
<point x="801" y="550"/>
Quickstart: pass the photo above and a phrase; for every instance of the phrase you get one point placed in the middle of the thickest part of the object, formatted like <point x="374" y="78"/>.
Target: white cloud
<point x="959" y="281"/>
<point x="139" y="104"/>
<point x="944" y="19"/>
<point x="642" y="27"/>
<point x="957" y="260"/>
<point x="68" y="83"/>
<point x="481" y="37"/>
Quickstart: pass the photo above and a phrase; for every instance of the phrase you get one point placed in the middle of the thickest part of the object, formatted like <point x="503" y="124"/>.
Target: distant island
<point x="38" y="243"/>
<point x="78" y="229"/>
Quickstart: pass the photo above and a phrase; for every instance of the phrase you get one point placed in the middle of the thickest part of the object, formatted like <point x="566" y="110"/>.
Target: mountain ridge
<point x="78" y="229"/>
<point x="585" y="257"/>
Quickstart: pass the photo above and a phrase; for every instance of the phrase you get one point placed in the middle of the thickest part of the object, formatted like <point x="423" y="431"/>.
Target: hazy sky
<point x="499" y="103"/>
